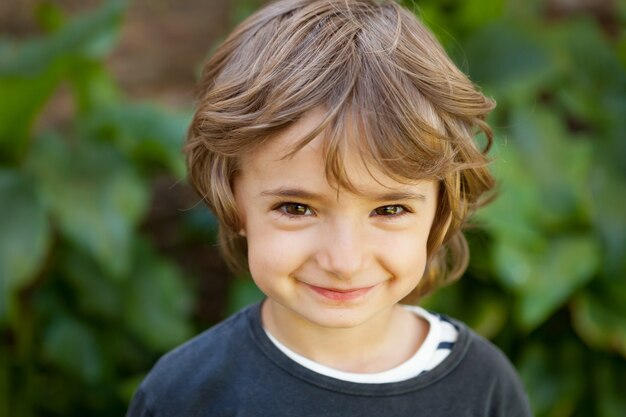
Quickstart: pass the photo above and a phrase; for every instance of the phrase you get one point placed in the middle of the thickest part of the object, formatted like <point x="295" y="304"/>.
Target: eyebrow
<point x="307" y="195"/>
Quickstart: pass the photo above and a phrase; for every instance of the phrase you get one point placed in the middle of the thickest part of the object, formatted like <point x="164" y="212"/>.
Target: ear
<point x="242" y="232"/>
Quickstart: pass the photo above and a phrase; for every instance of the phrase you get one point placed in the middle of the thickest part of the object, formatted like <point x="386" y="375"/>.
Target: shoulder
<point x="211" y="346"/>
<point x="484" y="367"/>
<point x="199" y="367"/>
<point x="487" y="358"/>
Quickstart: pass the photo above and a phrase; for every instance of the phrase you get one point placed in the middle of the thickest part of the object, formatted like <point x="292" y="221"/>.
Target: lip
<point x="336" y="294"/>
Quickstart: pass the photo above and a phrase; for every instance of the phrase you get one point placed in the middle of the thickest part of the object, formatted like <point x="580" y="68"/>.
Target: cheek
<point x="405" y="255"/>
<point x="273" y="253"/>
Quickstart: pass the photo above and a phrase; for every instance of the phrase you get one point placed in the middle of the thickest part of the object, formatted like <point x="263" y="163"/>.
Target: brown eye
<point x="389" y="210"/>
<point x="295" y="209"/>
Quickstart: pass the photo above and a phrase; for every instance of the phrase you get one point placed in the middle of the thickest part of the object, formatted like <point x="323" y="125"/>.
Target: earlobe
<point x="242" y="232"/>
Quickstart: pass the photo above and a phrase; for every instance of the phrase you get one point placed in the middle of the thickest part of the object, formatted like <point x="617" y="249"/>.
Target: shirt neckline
<point x="261" y="341"/>
<point x="410" y="368"/>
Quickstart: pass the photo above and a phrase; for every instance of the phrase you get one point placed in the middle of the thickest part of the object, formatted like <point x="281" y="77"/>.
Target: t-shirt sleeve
<point x="508" y="397"/>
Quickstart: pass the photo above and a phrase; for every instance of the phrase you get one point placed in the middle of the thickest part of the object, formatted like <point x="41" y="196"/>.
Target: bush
<point x="87" y="304"/>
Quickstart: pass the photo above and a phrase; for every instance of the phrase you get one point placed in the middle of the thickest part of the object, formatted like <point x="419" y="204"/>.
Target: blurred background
<point x="108" y="259"/>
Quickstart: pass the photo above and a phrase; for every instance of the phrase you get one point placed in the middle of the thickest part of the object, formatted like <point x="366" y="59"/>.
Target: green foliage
<point x="86" y="303"/>
<point x="25" y="236"/>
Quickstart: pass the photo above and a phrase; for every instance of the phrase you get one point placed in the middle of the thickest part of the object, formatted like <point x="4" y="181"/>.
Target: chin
<point x="338" y="318"/>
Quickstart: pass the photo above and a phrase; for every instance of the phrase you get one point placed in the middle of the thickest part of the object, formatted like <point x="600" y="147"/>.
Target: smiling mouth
<point x="341" y="295"/>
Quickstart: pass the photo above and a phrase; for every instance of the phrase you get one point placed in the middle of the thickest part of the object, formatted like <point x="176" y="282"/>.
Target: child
<point x="334" y="142"/>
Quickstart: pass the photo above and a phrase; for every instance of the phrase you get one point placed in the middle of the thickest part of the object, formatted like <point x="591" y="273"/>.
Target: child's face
<point x="333" y="259"/>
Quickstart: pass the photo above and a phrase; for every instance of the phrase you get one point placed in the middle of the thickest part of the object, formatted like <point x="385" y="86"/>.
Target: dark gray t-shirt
<point x="233" y="369"/>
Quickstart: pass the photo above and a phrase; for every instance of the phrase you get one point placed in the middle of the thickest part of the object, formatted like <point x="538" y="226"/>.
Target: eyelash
<point x="281" y="208"/>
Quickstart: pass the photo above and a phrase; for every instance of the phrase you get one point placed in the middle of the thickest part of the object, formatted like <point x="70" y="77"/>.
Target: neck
<point x="384" y="341"/>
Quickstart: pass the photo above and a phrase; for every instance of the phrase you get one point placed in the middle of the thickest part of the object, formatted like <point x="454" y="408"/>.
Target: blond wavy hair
<point x="375" y="70"/>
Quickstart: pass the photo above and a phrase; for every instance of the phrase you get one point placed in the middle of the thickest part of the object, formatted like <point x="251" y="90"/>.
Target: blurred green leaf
<point x="509" y="217"/>
<point x="568" y="264"/>
<point x="156" y="302"/>
<point x="96" y="294"/>
<point x="490" y="316"/>
<point x="129" y="386"/>
<point x="509" y="59"/>
<point x="243" y="292"/>
<point x="95" y="196"/>
<point x="91" y="36"/>
<point x="151" y="136"/>
<point x="608" y="203"/>
<point x="21" y="99"/>
<point x="545" y="280"/>
<point x="24" y="238"/>
<point x="73" y="347"/>
<point x="553" y="378"/>
<point x="593" y="80"/>
<point x="477" y="13"/>
<point x="514" y="264"/>
<point x="93" y="86"/>
<point x="611" y="378"/>
<point x="49" y="16"/>
<point x="200" y="224"/>
<point x="558" y="165"/>
<point x="599" y="322"/>
<point x="621" y="48"/>
<point x="587" y="59"/>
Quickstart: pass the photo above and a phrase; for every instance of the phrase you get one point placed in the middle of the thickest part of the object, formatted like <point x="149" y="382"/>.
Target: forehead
<point x="314" y="165"/>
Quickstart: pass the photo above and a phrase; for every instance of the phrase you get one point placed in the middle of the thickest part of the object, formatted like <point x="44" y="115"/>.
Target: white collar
<point x="415" y="365"/>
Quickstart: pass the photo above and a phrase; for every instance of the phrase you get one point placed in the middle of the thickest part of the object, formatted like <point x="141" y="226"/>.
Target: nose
<point x="343" y="249"/>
